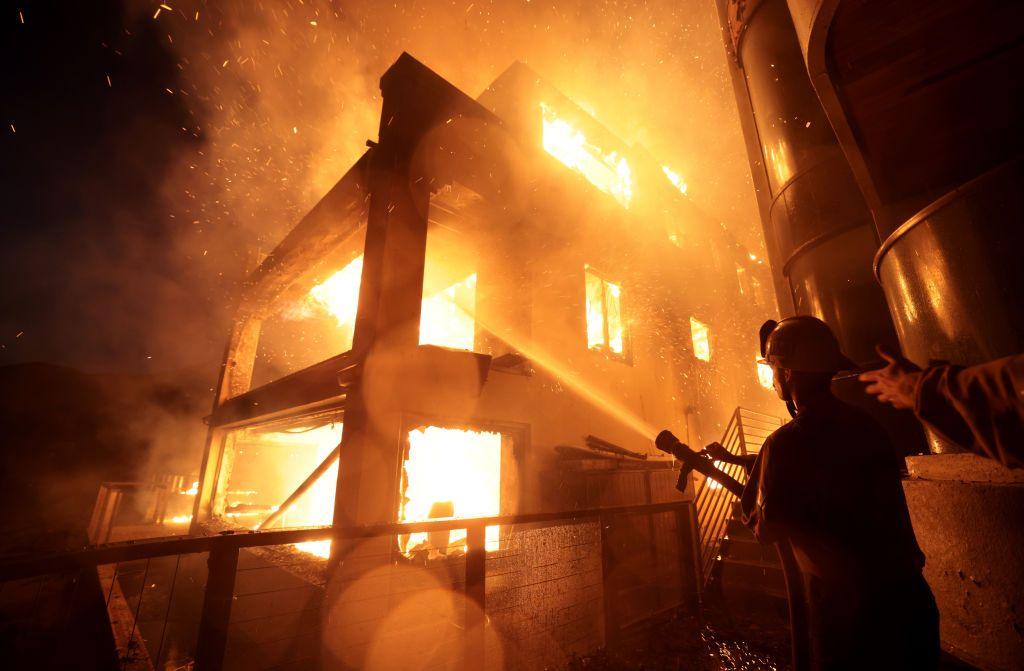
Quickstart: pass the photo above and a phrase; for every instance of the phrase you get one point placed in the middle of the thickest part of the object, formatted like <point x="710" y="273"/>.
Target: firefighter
<point x="825" y="488"/>
<point x="980" y="407"/>
<point x="828" y="483"/>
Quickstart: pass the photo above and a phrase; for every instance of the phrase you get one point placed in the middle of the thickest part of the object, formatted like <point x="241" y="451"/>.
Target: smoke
<point x="285" y="94"/>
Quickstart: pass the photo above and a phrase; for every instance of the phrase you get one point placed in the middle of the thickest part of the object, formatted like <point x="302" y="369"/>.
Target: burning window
<point x="605" y="330"/>
<point x="446" y="317"/>
<point x="701" y="338"/>
<point x="338" y="295"/>
<point x="450" y="473"/>
<point x="675" y="179"/>
<point x="765" y="375"/>
<point x="609" y="172"/>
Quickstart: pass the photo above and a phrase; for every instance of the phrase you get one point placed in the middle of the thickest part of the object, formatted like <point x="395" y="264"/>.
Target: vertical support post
<point x="611" y="620"/>
<point x="217" y="601"/>
<point x="117" y="496"/>
<point x="476" y="596"/>
<point x="691" y="569"/>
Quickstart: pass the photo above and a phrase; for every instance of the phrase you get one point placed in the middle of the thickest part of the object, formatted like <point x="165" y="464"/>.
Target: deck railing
<point x="744" y="434"/>
<point x="32" y="575"/>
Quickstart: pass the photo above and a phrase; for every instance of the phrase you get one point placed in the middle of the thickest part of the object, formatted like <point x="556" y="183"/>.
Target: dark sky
<point x="90" y="260"/>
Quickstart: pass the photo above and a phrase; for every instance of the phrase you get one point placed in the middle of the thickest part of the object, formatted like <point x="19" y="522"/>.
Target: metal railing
<point x="223" y="566"/>
<point x="744" y="434"/>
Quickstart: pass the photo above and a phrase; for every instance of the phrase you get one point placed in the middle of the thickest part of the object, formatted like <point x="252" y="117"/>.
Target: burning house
<point x="487" y="315"/>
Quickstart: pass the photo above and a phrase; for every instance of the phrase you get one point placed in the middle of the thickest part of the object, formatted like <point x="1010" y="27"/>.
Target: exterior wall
<point x="545" y="597"/>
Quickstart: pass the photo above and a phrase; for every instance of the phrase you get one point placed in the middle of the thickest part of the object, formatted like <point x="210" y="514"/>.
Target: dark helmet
<point x="802" y="343"/>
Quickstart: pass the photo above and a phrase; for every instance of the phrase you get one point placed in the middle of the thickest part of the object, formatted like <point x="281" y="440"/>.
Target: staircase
<point x="731" y="559"/>
<point x="744" y="569"/>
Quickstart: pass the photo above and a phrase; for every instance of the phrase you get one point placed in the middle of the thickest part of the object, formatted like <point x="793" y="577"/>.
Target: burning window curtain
<point x="605" y="330"/>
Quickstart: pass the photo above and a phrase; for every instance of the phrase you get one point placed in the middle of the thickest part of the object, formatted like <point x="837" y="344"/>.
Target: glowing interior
<point x="450" y="473"/>
<point x="446" y="317"/>
<point x="701" y="340"/>
<point x="604" y="313"/>
<point x="609" y="172"/>
<point x="269" y="465"/>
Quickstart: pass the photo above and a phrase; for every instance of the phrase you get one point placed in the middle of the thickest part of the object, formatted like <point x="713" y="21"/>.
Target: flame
<point x="339" y="293"/>
<point x="320" y="549"/>
<point x="180" y="519"/>
<point x="608" y="172"/>
<point x="193" y="490"/>
<point x="701" y="338"/>
<point x="450" y="473"/>
<point x="676" y="180"/>
<point x="446" y="317"/>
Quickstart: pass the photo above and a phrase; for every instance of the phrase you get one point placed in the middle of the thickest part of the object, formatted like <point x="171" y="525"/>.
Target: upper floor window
<point x="701" y="338"/>
<point x="605" y="329"/>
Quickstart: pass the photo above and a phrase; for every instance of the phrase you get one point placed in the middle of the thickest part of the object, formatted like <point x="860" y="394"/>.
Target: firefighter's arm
<point x="981" y="407"/>
<point x="765" y="503"/>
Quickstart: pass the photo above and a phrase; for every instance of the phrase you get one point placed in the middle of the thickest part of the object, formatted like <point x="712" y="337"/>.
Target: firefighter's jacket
<point x="980" y="407"/>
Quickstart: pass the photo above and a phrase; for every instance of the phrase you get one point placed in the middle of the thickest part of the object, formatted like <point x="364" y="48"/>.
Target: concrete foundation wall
<point x="971" y="528"/>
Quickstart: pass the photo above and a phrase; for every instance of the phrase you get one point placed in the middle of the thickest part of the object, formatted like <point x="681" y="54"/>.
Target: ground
<point x="718" y="640"/>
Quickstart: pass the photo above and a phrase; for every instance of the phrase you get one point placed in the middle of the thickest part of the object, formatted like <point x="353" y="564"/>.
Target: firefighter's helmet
<point x="802" y="343"/>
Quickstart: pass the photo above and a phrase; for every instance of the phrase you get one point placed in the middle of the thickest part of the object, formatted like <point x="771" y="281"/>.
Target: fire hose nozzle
<point x="666" y="442"/>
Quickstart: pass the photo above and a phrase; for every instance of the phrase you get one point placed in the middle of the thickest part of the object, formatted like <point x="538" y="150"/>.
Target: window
<point x="701" y="340"/>
<point x="765" y="374"/>
<point x="449" y="472"/>
<point x="447" y="317"/>
<point x="605" y="330"/>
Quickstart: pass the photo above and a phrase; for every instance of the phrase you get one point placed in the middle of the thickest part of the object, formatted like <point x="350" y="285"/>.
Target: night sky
<point x="88" y="257"/>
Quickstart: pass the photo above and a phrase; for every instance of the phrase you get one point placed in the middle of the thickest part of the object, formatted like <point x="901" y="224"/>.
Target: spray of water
<point x="573" y="381"/>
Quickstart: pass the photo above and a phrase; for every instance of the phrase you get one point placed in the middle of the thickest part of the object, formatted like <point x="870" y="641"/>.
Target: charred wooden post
<point x="216" y="615"/>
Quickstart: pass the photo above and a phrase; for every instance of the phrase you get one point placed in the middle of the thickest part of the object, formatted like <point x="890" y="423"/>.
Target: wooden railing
<point x="744" y="434"/>
<point x="223" y="553"/>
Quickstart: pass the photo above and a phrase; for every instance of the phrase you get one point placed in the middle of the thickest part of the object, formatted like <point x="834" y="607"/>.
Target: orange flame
<point x="608" y="172"/>
<point x="450" y="473"/>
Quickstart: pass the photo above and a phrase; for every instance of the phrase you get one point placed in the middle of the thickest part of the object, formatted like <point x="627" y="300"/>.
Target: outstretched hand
<point x="717" y="452"/>
<point x="896" y="383"/>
